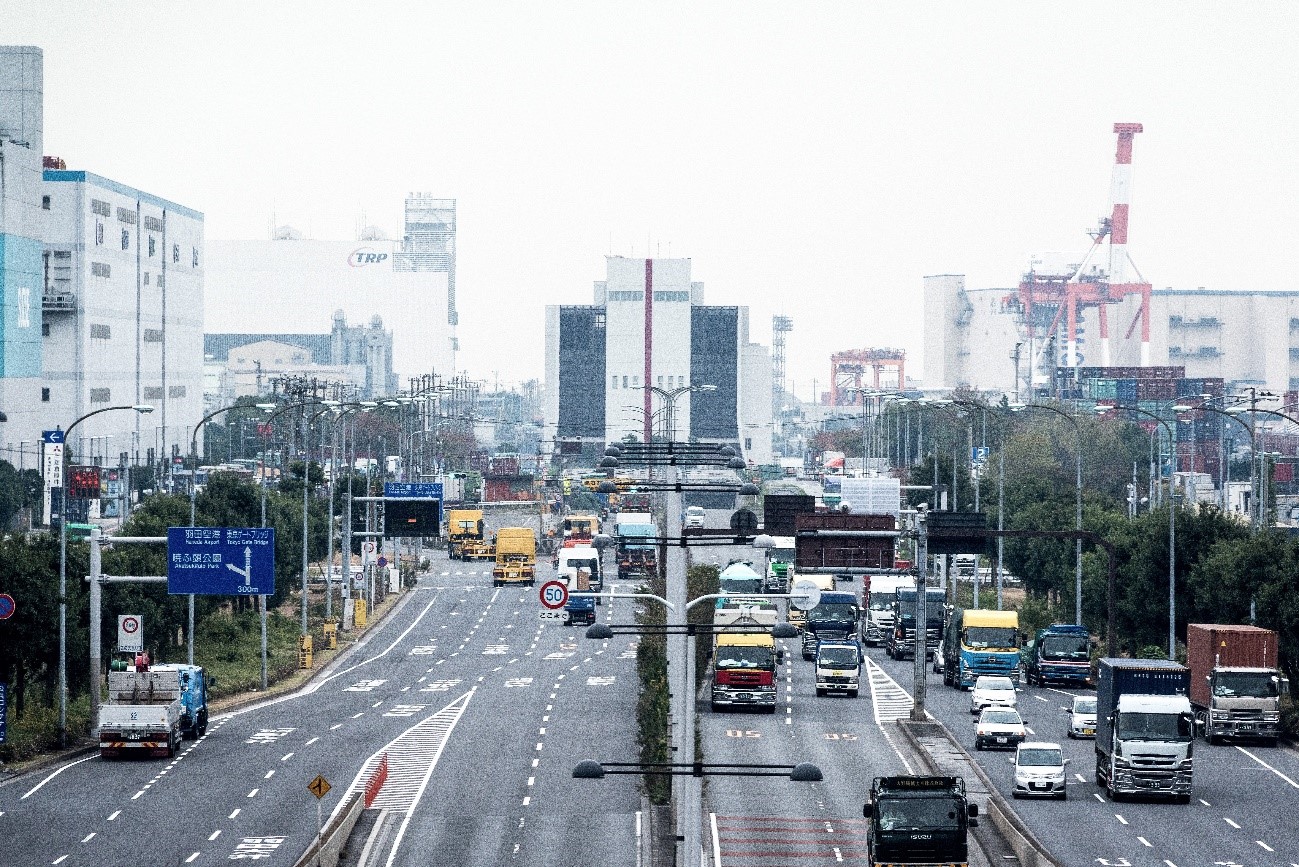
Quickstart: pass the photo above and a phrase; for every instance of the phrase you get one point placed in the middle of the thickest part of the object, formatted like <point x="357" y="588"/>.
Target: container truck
<point x="1060" y="653"/>
<point x="150" y="708"/>
<point x="744" y="670"/>
<point x="919" y="821"/>
<point x="837" y="615"/>
<point x="516" y="557"/>
<point x="878" y="603"/>
<point x="979" y="641"/>
<point x="1144" y="728"/>
<point x="901" y="641"/>
<point x="1235" y="683"/>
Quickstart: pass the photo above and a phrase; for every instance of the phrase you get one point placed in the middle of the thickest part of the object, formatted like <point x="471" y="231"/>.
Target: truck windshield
<point x="1065" y="647"/>
<point x="838" y="657"/>
<point x="913" y="813"/>
<point x="591" y="566"/>
<point x="991" y="637"/>
<point x="782" y="555"/>
<point x="835" y="612"/>
<point x="1154" y="727"/>
<point x="731" y="656"/>
<point x="1253" y="684"/>
<point x="741" y="585"/>
<point x="882" y="601"/>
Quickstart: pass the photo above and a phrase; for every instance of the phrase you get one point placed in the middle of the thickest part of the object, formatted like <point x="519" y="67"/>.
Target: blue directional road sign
<point x="413" y="489"/>
<point x="221" y="561"/>
<point x="52" y="436"/>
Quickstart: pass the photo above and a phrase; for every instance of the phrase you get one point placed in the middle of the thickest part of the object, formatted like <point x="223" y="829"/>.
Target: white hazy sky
<point x="814" y="159"/>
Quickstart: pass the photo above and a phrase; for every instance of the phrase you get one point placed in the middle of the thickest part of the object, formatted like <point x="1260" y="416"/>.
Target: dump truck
<point x="516" y="557"/>
<point x="465" y="537"/>
<point x="1144" y="728"/>
<point x="1235" y="683"/>
<point x="920" y="821"/>
<point x="150" y="708"/>
<point x="1060" y="653"/>
<point x="744" y="670"/>
<point x="581" y="528"/>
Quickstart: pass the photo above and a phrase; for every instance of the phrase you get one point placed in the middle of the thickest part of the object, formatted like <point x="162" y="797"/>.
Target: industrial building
<point x="102" y="291"/>
<point x="358" y="356"/>
<point x="408" y="281"/>
<point x="649" y="359"/>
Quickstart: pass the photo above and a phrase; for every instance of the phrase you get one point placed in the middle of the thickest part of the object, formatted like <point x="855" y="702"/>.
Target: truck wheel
<point x="820" y="692"/>
<point x="852" y="693"/>
<point x="1183" y="799"/>
<point x="202" y="723"/>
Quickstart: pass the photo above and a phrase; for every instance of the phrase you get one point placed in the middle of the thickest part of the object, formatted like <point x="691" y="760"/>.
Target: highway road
<point x="1242" y="811"/>
<point x="486" y="707"/>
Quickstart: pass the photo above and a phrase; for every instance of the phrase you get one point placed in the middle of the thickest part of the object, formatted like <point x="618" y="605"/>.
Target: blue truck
<point x="1060" y="653"/>
<point x="151" y="707"/>
<point x="837" y="615"/>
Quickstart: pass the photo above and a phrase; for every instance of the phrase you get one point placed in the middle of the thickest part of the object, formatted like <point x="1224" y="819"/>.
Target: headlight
<point x="1271" y="717"/>
<point x="1121" y="762"/>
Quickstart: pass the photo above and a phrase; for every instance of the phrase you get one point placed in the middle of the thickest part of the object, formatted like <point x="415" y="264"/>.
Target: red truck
<point x="1235" y="683"/>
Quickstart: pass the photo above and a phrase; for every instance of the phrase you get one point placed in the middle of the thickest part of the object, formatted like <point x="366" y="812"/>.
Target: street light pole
<point x="63" y="585"/>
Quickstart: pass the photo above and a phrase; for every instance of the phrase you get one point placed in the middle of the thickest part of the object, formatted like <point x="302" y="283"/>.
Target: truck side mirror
<point x="211" y="681"/>
<point x="780" y="657"/>
<point x="972" y="810"/>
<point x="973" y="823"/>
<point x="867" y="811"/>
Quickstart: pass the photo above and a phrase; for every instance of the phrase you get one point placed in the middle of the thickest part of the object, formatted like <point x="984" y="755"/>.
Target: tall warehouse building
<point x="648" y="326"/>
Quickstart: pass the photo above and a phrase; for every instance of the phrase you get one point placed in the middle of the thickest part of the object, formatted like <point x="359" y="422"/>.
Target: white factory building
<point x="102" y="290"/>
<point x="1248" y="338"/>
<point x="648" y="326"/>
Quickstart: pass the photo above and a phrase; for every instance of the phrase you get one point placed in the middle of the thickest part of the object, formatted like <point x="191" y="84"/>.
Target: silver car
<point x="1039" y="771"/>
<point x="1082" y="717"/>
<point x="991" y="690"/>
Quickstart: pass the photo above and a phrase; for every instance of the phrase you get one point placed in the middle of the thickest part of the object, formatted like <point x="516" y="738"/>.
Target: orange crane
<point x="848" y="372"/>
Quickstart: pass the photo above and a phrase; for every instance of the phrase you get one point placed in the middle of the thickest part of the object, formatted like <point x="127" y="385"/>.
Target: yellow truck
<point x="465" y="538"/>
<point x="516" y="557"/>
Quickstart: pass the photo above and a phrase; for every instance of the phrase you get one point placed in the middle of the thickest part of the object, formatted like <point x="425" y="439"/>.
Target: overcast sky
<point x="815" y="159"/>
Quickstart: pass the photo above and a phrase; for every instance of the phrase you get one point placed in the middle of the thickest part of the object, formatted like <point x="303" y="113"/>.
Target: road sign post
<point x="130" y="633"/>
<point x="221" y="561"/>
<point x="554" y="595"/>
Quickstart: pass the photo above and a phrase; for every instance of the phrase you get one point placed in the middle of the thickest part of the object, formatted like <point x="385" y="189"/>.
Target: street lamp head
<point x="784" y="630"/>
<point x="736" y="463"/>
<point x="599" y="631"/>
<point x="612" y="451"/>
<point x="143" y="408"/>
<point x="726" y="451"/>
<point x="1183" y="407"/>
<point x="749" y="489"/>
<point x="804" y="772"/>
<point x="589" y="769"/>
<point x="608" y="462"/>
<point x="607" y="487"/>
<point x="764" y="542"/>
<point x="602" y="541"/>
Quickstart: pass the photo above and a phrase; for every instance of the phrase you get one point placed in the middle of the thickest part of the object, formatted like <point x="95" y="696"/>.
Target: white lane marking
<point x="1265" y="846"/>
<point x="192" y="858"/>
<point x="137" y="794"/>
<point x="287" y="757"/>
<point x="115" y="814"/>
<point x="1030" y="731"/>
<point x="890" y="703"/>
<point x="1204" y="802"/>
<point x="1292" y="783"/>
<point x="38" y="786"/>
<point x="215" y="834"/>
<point x="60" y="859"/>
<point x="1122" y="820"/>
<point x="1080" y="778"/>
<point x="1230" y="822"/>
<point x="1097" y="796"/>
<point x="334" y="727"/>
<point x="86" y="839"/>
<point x="253" y="793"/>
<point x="310" y="742"/>
<point x="358" y="715"/>
<point x="269" y="774"/>
<point x="235" y="813"/>
<point x="1144" y="842"/>
<point x="527" y="800"/>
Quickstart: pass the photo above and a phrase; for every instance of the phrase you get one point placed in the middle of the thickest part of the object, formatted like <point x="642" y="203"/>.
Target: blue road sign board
<point x="52" y="436"/>
<point x="413" y="489"/>
<point x="221" y="561"/>
<point x="4" y="709"/>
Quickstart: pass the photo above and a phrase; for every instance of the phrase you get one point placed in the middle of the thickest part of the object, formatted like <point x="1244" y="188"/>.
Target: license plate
<point x="743" y="696"/>
<point x="1089" y="731"/>
<point x="1001" y="740"/>
<point x="1246" y="728"/>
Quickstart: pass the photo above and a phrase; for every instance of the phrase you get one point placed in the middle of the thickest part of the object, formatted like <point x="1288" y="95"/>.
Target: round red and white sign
<point x="554" y="595"/>
<point x="130" y="625"/>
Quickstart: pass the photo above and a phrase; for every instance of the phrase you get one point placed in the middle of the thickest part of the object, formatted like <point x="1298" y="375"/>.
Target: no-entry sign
<point x="554" y="595"/>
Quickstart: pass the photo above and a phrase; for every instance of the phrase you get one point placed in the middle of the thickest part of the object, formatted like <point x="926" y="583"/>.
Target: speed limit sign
<point x="554" y="595"/>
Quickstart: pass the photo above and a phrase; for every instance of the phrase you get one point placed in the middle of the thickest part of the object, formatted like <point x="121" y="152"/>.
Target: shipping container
<point x="1215" y="645"/>
<point x="1156" y="389"/>
<point x="1125" y="391"/>
<point x="1103" y="389"/>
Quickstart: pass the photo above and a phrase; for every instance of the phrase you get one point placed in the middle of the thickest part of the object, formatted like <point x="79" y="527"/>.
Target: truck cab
<point x="901" y="641"/>
<point x="1144" y="728"/>
<point x="744" y="670"/>
<point x="919" y="820"/>
<point x="837" y="615"/>
<point x="570" y="559"/>
<point x="838" y="666"/>
<point x="1061" y="654"/>
<point x="741" y="598"/>
<point x="979" y="641"/>
<point x="879" y="607"/>
<point x="780" y="565"/>
<point x="516" y="557"/>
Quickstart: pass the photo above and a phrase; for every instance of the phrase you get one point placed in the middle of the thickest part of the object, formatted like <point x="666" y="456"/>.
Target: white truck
<point x="879" y="607"/>
<point x="741" y="601"/>
<point x="142" y="713"/>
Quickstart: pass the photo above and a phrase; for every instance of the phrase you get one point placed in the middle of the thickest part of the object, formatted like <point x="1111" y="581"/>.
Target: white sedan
<point x="992" y="691"/>
<point x="999" y="727"/>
